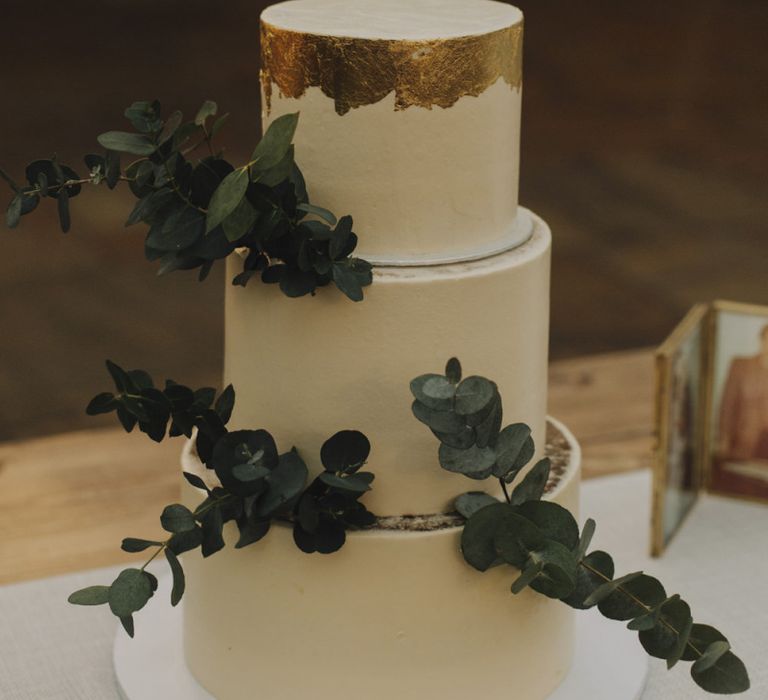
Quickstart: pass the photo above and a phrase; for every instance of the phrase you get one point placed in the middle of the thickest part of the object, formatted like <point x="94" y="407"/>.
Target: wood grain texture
<point x="67" y="501"/>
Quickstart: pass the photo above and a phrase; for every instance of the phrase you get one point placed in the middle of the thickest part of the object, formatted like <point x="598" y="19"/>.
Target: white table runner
<point x="50" y="650"/>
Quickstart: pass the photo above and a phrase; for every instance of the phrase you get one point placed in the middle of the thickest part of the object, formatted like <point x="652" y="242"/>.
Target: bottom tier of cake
<point x="396" y="613"/>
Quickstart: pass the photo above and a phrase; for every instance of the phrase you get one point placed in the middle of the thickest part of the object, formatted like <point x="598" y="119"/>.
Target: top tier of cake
<point x="409" y="119"/>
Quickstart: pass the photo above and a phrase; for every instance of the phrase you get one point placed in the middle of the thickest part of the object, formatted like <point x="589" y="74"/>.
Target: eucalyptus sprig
<point x="541" y="539"/>
<point x="201" y="209"/>
<point x="257" y="485"/>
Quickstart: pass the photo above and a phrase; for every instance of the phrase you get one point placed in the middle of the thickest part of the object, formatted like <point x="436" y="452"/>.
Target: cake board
<point x="153" y="667"/>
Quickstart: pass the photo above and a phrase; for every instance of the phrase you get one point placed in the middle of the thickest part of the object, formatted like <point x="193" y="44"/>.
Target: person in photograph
<point x="743" y="434"/>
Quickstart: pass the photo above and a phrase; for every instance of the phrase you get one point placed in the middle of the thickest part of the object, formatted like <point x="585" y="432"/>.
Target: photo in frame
<point x="680" y="415"/>
<point x="711" y="413"/>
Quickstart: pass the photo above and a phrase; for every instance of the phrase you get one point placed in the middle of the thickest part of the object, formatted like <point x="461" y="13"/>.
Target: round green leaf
<point x="439" y="421"/>
<point x="434" y="391"/>
<point x="555" y="522"/>
<point x="125" y="142"/>
<point x="474" y="462"/>
<point x="516" y="539"/>
<point x="478" y="535"/>
<point x="345" y="452"/>
<point x="177" y="518"/>
<point x="469" y="503"/>
<point x="129" y="592"/>
<point x="587" y="582"/>
<point x="285" y="483"/>
<point x="660" y="641"/>
<point x="557" y="578"/>
<point x="620" y="606"/>
<point x="532" y="487"/>
<point x="473" y="395"/>
<point x="702" y="637"/>
<point x="358" y="483"/>
<point x="727" y="676"/>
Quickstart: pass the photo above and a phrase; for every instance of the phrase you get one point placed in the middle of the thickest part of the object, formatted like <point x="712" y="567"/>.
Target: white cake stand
<point x="152" y="667"/>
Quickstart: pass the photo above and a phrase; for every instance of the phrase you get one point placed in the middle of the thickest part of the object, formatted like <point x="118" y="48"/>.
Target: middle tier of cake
<point x="306" y="368"/>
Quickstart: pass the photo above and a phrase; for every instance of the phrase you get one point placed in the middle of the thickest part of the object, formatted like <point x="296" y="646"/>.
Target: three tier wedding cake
<point x="409" y="117"/>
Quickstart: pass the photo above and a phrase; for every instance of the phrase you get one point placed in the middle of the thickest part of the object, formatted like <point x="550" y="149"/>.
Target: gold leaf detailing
<point x="355" y="72"/>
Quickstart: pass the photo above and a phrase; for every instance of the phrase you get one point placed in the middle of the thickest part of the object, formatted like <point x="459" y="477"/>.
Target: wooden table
<point x="66" y="501"/>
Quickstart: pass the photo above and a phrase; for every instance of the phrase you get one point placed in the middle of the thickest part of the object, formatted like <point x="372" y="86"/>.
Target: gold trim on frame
<point x="356" y="72"/>
<point x="717" y="307"/>
<point x="697" y="316"/>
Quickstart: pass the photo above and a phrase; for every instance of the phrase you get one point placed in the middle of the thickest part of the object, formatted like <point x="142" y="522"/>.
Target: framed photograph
<point x="680" y="423"/>
<point x="736" y="462"/>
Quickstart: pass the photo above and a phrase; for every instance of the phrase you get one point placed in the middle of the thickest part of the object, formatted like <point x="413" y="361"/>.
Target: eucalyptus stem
<point x="639" y="602"/>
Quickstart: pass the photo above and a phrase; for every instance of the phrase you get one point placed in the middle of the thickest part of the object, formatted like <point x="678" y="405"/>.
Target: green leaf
<point x="13" y="214"/>
<point x="212" y="524"/>
<point x="286" y="482"/>
<point x="177" y="518"/>
<point x="179" y="231"/>
<point x="126" y="142"/>
<point x="225" y="403"/>
<point x="135" y="544"/>
<point x="702" y="637"/>
<point x="185" y="541"/>
<point x="92" y="595"/>
<point x="513" y="449"/>
<point x="251" y="530"/>
<point x="226" y="198"/>
<point x="586" y="538"/>
<point x="473" y="395"/>
<point x="557" y="578"/>
<point x="587" y="581"/>
<point x="127" y="623"/>
<point x="439" y="421"/>
<point x="345" y="451"/>
<point x="682" y="640"/>
<point x="347" y="281"/>
<point x="555" y="522"/>
<point x="609" y="587"/>
<point x="461" y="440"/>
<point x="477" y="537"/>
<point x="249" y="472"/>
<point x="276" y="174"/>
<point x="532" y="487"/>
<point x="324" y="214"/>
<point x="218" y="124"/>
<point x="129" y="592"/>
<point x="487" y="431"/>
<point x="474" y="462"/>
<point x="209" y="109"/>
<point x="178" y="577"/>
<point x="144" y="115"/>
<point x="240" y="221"/>
<point x="661" y="640"/>
<point x="196" y="481"/>
<point x="711" y="655"/>
<point x="531" y="571"/>
<point x="276" y="142"/>
<point x="453" y="371"/>
<point x="434" y="391"/>
<point x="469" y="503"/>
<point x="358" y="483"/>
<point x="516" y="539"/>
<point x="297" y="283"/>
<point x="101" y="403"/>
<point x="170" y="127"/>
<point x="148" y="206"/>
<point x="727" y="676"/>
<point x="620" y="606"/>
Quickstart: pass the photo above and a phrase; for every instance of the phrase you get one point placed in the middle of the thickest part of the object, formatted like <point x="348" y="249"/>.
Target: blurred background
<point x="645" y="146"/>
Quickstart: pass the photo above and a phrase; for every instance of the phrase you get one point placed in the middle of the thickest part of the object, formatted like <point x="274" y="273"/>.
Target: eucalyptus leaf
<point x="609" y="587"/>
<point x="226" y="198"/>
<point x="275" y="142"/>
<point x="473" y="395"/>
<point x="208" y="109"/>
<point x="177" y="518"/>
<point x="453" y="371"/>
<point x="727" y="676"/>
<point x="135" y="544"/>
<point x="532" y="487"/>
<point x="129" y="592"/>
<point x="345" y="452"/>
<point x="13" y="213"/>
<point x="92" y="595"/>
<point x="555" y="522"/>
<point x="474" y="462"/>
<point x="125" y="142"/>
<point x="439" y="421"/>
<point x="285" y="484"/>
<point x="478" y="536"/>
<point x="469" y="503"/>
<point x="434" y="391"/>
<point x="212" y="523"/>
<point x="179" y="582"/>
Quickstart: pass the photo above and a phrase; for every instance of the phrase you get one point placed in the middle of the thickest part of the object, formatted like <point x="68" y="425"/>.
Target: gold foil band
<point x="355" y="72"/>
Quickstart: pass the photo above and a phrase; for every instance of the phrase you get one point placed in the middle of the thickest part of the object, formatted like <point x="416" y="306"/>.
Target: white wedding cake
<point x="409" y="121"/>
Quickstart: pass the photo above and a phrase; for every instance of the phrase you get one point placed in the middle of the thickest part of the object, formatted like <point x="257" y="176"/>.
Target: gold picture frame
<point x="720" y="336"/>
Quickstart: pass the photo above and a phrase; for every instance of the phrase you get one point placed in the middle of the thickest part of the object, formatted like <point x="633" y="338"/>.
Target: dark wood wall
<point x="645" y="145"/>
